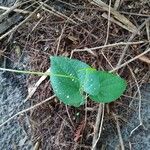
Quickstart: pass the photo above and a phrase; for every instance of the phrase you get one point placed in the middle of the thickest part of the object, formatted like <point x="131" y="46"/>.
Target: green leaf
<point x="67" y="76"/>
<point x="91" y="82"/>
<point x="111" y="87"/>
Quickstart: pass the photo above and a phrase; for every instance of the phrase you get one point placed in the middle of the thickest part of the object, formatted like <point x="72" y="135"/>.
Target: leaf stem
<point x="35" y="73"/>
<point x="25" y="72"/>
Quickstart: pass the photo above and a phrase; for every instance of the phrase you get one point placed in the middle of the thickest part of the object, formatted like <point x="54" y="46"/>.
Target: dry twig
<point x="119" y="133"/>
<point x="105" y="46"/>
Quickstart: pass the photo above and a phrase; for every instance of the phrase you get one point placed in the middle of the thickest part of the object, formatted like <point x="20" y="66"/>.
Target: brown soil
<point x="52" y="126"/>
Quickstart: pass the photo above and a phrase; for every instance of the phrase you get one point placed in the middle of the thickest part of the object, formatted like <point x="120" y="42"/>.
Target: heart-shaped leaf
<point x="111" y="87"/>
<point x="67" y="76"/>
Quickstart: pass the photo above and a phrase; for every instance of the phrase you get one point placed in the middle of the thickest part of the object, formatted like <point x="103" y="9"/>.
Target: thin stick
<point x="108" y="24"/>
<point x="107" y="60"/>
<point x="119" y="133"/>
<point x="110" y="45"/>
<point x="148" y="30"/>
<point x="26" y="110"/>
<point x="59" y="39"/>
<point x="69" y="117"/>
<point x="116" y="22"/>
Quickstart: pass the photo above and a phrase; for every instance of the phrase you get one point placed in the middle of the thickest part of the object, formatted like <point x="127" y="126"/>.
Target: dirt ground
<point x="102" y="37"/>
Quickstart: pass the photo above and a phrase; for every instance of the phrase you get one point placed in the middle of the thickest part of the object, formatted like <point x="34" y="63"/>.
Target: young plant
<point x="71" y="79"/>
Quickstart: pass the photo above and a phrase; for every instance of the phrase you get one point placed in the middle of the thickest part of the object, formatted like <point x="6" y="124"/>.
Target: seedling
<point x="71" y="79"/>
